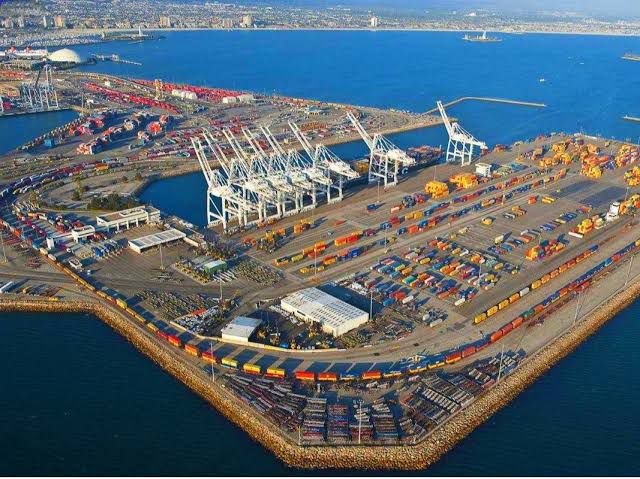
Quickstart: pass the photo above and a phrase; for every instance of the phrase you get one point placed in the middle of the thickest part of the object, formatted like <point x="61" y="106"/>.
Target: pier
<point x="114" y="58"/>
<point x="631" y="118"/>
<point x="489" y="100"/>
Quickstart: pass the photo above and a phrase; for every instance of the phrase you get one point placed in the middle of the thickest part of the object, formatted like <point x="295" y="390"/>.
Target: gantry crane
<point x="461" y="142"/>
<point x="385" y="158"/>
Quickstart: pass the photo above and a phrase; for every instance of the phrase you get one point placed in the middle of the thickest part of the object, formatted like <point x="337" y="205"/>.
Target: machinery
<point x="324" y="159"/>
<point x="40" y="94"/>
<point x="385" y="158"/>
<point x="261" y="186"/>
<point x="461" y="142"/>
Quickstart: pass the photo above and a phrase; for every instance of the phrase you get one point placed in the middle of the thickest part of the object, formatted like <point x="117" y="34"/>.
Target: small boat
<point x="542" y="80"/>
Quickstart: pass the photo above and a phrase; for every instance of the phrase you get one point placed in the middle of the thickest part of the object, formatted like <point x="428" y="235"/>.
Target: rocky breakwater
<point x="409" y="457"/>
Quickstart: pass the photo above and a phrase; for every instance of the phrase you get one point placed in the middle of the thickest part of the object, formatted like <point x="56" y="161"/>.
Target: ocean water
<point x="77" y="399"/>
<point x="16" y="131"/>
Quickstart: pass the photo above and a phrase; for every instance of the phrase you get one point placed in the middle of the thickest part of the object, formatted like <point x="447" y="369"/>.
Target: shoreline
<point x="404" y="457"/>
<point x="96" y="31"/>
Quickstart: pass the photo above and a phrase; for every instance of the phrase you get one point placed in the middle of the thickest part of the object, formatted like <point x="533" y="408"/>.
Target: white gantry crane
<point x="39" y="94"/>
<point x="254" y="185"/>
<point x="385" y="158"/>
<point x="461" y="142"/>
<point x="324" y="159"/>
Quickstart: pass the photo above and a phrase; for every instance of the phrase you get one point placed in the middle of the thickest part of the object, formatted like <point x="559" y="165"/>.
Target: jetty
<point x="488" y="100"/>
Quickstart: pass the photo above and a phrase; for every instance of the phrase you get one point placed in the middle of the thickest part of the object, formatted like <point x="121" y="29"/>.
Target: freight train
<point x="542" y="309"/>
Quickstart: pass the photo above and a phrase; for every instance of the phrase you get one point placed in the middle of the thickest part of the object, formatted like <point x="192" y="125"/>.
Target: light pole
<point x="360" y="421"/>
<point x="626" y="281"/>
<point x="575" y="317"/>
<point x="213" y="373"/>
<point x="500" y="368"/>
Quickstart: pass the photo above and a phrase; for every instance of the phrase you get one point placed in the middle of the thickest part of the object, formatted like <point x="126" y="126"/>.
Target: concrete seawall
<point x="346" y="457"/>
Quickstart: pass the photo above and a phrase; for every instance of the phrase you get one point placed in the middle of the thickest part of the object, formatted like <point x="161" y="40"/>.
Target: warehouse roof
<point x="122" y="215"/>
<point x="324" y="308"/>
<point x="155" y="239"/>
<point x="242" y="327"/>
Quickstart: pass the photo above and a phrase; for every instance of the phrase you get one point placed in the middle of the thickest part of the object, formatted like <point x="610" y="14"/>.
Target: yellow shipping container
<point x="503" y="304"/>
<point x="251" y="368"/>
<point x="232" y="363"/>
<point x="491" y="311"/>
<point x="481" y="317"/>
<point x="535" y="284"/>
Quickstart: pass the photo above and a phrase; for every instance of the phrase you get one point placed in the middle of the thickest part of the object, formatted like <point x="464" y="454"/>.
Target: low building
<point x="240" y="329"/>
<point x="334" y="315"/>
<point x="156" y="239"/>
<point x="215" y="266"/>
<point x="484" y="169"/>
<point x="129" y="217"/>
<point x="82" y="233"/>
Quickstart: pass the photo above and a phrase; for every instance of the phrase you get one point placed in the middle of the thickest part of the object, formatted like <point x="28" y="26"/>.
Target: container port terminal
<point x="344" y="312"/>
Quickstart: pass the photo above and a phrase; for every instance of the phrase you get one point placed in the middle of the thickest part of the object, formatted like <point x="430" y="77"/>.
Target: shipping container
<point x="305" y="375"/>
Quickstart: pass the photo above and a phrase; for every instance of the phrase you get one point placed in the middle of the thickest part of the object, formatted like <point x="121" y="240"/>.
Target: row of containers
<point x="120" y="97"/>
<point x="459" y="264"/>
<point x="32" y="182"/>
<point x="319" y="247"/>
<point x="140" y="123"/>
<point x="506" y="302"/>
<point x="432" y="221"/>
<point x="546" y="306"/>
<point x="210" y="94"/>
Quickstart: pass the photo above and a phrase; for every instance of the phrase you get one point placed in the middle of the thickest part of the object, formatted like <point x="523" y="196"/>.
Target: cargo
<point x="479" y="318"/>
<point x="371" y="375"/>
<point x="468" y="351"/>
<point x="333" y="377"/>
<point x="208" y="357"/>
<point x="152" y="327"/>
<point x="491" y="311"/>
<point x="276" y="373"/>
<point x="305" y="375"/>
<point x="175" y="341"/>
<point x="517" y="322"/>
<point x="251" y="368"/>
<point x="506" y="329"/>
<point x="503" y="304"/>
<point x="192" y="349"/>
<point x="495" y="336"/>
<point x="453" y="357"/>
<point x="229" y="362"/>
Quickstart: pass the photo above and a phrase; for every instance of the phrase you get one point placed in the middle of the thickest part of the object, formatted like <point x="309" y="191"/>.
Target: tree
<point x="75" y="196"/>
<point x="138" y="176"/>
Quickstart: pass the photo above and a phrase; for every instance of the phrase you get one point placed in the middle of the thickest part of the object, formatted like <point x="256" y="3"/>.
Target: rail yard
<point x="350" y="302"/>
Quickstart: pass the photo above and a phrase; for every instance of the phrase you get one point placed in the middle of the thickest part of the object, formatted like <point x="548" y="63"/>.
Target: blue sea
<point x="78" y="399"/>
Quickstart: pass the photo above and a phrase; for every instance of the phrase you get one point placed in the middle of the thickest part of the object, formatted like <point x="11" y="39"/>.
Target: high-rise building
<point x="59" y="21"/>
<point x="165" y="21"/>
<point x="247" y="21"/>
<point x="46" y="22"/>
<point x="374" y="22"/>
<point x="8" y="23"/>
<point x="227" y="23"/>
<point x="20" y="23"/>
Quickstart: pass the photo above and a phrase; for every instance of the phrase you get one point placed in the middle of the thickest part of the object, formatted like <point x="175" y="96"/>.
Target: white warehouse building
<point x="128" y="218"/>
<point x="334" y="315"/>
<point x="240" y="329"/>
